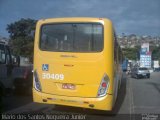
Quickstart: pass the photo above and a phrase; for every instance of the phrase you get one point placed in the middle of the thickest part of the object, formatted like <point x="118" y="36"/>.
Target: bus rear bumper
<point x="102" y="103"/>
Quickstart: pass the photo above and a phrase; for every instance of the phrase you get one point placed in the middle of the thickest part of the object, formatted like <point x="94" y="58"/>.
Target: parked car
<point x="12" y="74"/>
<point x="140" y="72"/>
<point x="23" y="79"/>
<point x="151" y="70"/>
<point x="7" y="66"/>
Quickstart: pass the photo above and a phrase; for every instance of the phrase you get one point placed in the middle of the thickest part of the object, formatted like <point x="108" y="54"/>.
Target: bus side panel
<point x="112" y="64"/>
<point x="109" y="54"/>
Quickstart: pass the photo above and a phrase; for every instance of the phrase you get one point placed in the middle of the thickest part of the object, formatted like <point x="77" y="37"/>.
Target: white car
<point x="139" y="72"/>
<point x="150" y="70"/>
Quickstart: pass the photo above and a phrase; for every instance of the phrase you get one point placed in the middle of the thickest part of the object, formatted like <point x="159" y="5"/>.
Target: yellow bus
<point x="76" y="63"/>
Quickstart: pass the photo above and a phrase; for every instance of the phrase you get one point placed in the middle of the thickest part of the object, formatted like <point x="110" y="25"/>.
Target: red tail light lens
<point x="104" y="84"/>
<point x="102" y="91"/>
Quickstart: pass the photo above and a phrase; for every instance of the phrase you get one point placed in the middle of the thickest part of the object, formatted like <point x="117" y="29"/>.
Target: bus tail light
<point x="104" y="85"/>
<point x="37" y="84"/>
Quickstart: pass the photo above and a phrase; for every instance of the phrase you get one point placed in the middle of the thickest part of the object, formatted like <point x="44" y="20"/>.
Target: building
<point x="4" y="40"/>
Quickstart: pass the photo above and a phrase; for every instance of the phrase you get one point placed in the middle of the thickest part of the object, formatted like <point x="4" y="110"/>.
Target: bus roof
<point x="73" y="19"/>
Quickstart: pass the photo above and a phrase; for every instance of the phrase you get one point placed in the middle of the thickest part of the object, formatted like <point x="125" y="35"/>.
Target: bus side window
<point x="115" y="50"/>
<point x="119" y="55"/>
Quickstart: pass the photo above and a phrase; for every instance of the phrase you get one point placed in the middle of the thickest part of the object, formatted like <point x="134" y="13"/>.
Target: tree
<point x="131" y="53"/>
<point x="156" y="53"/>
<point x="21" y="41"/>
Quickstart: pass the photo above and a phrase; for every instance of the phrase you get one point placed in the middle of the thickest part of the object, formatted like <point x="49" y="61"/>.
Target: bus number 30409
<point x="52" y="76"/>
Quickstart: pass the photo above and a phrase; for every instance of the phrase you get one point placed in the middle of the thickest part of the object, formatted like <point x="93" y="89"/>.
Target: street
<point x="137" y="97"/>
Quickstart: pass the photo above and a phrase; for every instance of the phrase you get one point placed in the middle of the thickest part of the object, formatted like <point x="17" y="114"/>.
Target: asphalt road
<point x="138" y="99"/>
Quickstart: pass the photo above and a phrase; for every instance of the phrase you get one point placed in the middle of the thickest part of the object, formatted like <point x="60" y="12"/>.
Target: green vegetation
<point x="21" y="40"/>
<point x="131" y="53"/>
<point x="156" y="53"/>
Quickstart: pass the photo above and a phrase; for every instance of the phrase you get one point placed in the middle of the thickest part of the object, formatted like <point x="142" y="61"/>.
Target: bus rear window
<point x="72" y="37"/>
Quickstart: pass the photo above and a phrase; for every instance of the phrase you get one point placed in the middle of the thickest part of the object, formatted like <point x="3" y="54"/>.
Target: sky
<point x="140" y="17"/>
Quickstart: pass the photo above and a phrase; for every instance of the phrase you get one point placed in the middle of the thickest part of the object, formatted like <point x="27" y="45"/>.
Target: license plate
<point x="144" y="74"/>
<point x="68" y="86"/>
